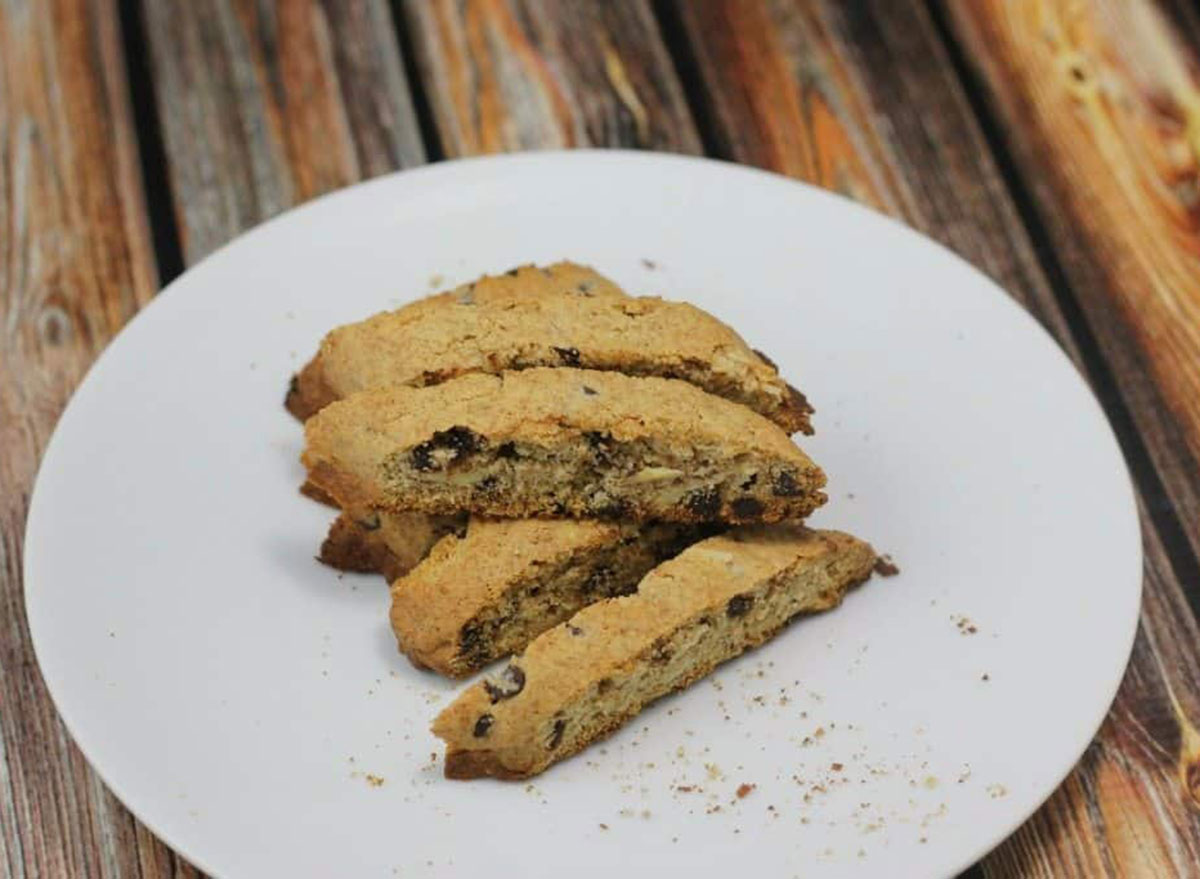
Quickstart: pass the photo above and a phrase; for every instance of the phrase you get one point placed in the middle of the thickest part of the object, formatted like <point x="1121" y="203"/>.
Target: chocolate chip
<point x="660" y="653"/>
<point x="600" y="580"/>
<point x="604" y="685"/>
<point x="591" y="392"/>
<point x="784" y="485"/>
<point x="616" y="508"/>
<point x="703" y="502"/>
<point x="510" y="682"/>
<point x="569" y="356"/>
<point x="556" y="734"/>
<point x="471" y="643"/>
<point x="574" y="630"/>
<point x="601" y="444"/>
<point x="558" y="508"/>
<point x="507" y="450"/>
<point x="739" y="605"/>
<point x="371" y="523"/>
<point x="458" y="439"/>
<point x="765" y="359"/>
<point x="486" y="485"/>
<point x="484" y="725"/>
<point x="747" y="507"/>
<point x="750" y="482"/>
<point x="432" y="377"/>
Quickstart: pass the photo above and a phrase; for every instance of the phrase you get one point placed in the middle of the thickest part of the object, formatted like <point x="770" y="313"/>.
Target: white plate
<point x="235" y="694"/>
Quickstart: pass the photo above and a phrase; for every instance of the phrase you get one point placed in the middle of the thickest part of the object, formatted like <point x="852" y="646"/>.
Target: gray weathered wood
<point x="266" y="105"/>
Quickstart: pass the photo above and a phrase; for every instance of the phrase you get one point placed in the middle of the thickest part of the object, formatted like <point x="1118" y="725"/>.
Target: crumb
<point x="604" y="827"/>
<point x="836" y="767"/>
<point x="685" y="788"/>
<point x="930" y="782"/>
<point x="435" y="280"/>
<point x="985" y="677"/>
<point x="374" y="780"/>
<point x="996" y="791"/>
<point x="885" y="567"/>
<point x="964" y="625"/>
<point x="820" y="732"/>
<point x="646" y="814"/>
<point x="744" y="790"/>
<point x="650" y="264"/>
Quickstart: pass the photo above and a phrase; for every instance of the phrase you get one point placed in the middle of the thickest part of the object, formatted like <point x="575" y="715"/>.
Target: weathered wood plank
<point x="1100" y="105"/>
<point x="534" y="74"/>
<point x="75" y="265"/>
<point x="862" y="98"/>
<point x="265" y="105"/>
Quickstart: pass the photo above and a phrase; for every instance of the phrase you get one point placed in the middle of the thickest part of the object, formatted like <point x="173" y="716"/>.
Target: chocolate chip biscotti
<point x="560" y="443"/>
<point x="560" y="315"/>
<point x="488" y="590"/>
<point x="584" y="678"/>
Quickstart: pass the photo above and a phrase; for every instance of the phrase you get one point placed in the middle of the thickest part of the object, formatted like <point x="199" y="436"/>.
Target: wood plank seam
<point x="1096" y="369"/>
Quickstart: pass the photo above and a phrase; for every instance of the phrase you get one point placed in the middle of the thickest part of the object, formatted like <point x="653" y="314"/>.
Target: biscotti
<point x="560" y="443"/>
<point x="560" y="315"/>
<point x="584" y="678"/>
<point x="487" y="590"/>
<point x="370" y="541"/>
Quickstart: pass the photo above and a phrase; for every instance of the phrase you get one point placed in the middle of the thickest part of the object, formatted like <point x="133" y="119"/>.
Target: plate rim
<point x="615" y="157"/>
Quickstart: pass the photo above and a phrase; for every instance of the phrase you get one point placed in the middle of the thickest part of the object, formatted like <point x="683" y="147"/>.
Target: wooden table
<point x="1053" y="143"/>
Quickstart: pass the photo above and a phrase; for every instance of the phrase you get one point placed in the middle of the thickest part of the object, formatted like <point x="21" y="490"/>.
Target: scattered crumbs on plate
<point x="964" y="624"/>
<point x="885" y="567"/>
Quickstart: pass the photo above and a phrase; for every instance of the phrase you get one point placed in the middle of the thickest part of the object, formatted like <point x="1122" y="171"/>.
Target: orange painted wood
<point x="864" y="99"/>
<point x="536" y="74"/>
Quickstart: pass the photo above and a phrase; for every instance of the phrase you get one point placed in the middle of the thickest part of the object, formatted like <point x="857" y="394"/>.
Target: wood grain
<point x="1100" y="104"/>
<point x="75" y="265"/>
<point x="267" y="104"/>
<point x="862" y="98"/>
<point x="536" y="74"/>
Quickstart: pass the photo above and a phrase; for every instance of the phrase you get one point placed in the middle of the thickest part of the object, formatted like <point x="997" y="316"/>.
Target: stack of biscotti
<point x="602" y="485"/>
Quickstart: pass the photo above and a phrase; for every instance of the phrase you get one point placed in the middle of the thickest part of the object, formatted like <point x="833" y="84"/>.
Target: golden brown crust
<point x="559" y="315"/>
<point x="392" y="544"/>
<point x="489" y="589"/>
<point x="580" y="680"/>
<point x="414" y="449"/>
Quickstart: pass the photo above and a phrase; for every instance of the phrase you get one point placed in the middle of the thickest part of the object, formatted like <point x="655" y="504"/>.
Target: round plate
<point x="249" y="704"/>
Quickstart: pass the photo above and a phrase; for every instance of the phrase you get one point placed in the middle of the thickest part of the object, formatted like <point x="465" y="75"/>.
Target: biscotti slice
<point x="377" y="541"/>
<point x="560" y="315"/>
<point x="488" y="590"/>
<point x="584" y="678"/>
<point x="560" y="443"/>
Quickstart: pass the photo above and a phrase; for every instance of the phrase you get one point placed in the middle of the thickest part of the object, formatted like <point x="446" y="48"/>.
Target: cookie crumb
<point x="604" y="827"/>
<point x="744" y="790"/>
<point x="885" y="567"/>
<point x="374" y="780"/>
<point x="649" y="264"/>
